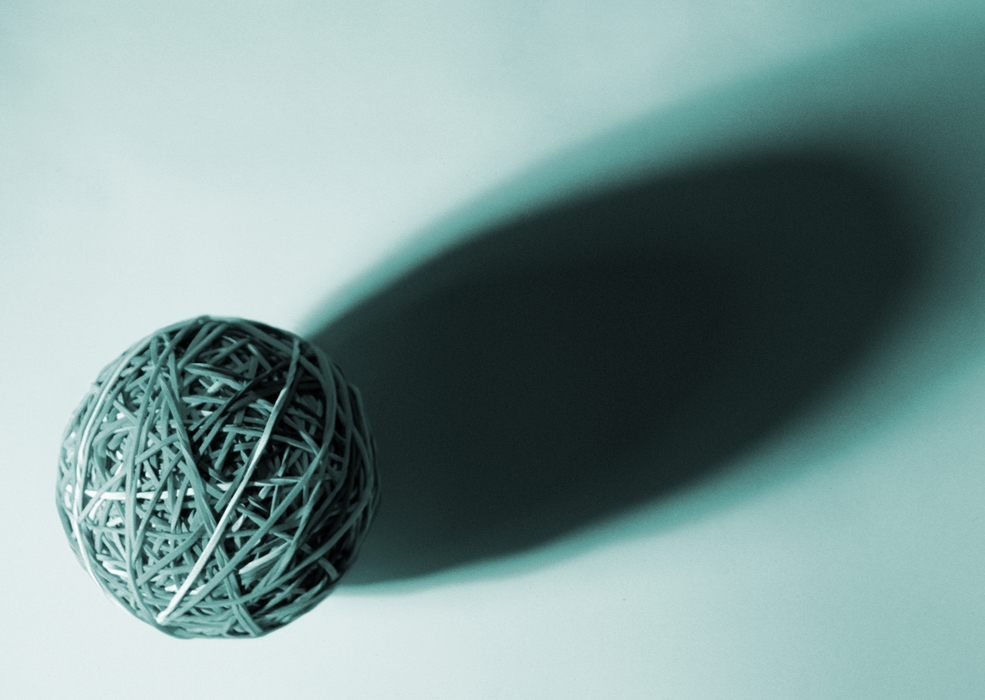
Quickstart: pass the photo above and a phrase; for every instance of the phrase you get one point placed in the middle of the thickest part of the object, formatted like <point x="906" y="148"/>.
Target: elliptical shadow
<point x="606" y="351"/>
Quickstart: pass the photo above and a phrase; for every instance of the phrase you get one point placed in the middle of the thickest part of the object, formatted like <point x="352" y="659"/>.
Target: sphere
<point x="218" y="478"/>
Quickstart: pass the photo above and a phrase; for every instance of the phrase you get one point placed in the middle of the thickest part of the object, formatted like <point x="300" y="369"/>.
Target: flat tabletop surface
<point x="668" y="317"/>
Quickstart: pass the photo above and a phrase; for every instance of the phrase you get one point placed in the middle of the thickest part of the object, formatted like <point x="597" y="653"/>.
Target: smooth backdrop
<point x="287" y="161"/>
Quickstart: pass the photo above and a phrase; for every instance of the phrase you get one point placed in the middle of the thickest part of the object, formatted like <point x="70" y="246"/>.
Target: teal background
<point x="283" y="161"/>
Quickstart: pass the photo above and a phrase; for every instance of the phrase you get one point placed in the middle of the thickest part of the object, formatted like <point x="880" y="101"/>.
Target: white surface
<point x="256" y="159"/>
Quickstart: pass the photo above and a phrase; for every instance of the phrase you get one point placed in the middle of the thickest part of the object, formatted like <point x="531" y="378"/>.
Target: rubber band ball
<point x="218" y="479"/>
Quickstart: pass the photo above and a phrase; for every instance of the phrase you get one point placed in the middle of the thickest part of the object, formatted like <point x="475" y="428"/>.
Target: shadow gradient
<point x="601" y="353"/>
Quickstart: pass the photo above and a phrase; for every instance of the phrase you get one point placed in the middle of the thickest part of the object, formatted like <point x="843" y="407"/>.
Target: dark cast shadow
<point x="608" y="350"/>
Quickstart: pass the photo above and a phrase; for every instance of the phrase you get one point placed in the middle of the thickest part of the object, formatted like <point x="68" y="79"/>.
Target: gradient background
<point x="301" y="163"/>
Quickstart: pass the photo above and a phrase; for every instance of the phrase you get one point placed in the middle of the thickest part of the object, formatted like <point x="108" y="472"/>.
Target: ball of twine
<point x="218" y="478"/>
